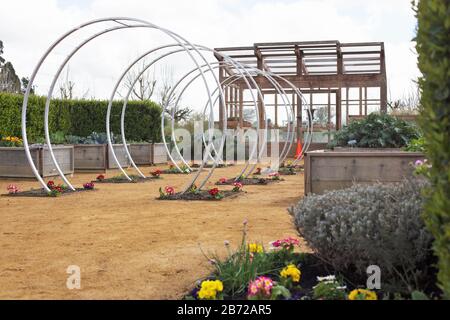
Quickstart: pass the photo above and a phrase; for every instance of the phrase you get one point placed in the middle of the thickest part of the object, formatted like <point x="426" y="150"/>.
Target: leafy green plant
<point x="329" y="288"/>
<point x="433" y="47"/>
<point x="416" y="145"/>
<point x="376" y="131"/>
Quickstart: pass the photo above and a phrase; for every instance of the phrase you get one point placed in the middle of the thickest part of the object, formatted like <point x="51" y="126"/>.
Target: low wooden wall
<point x="159" y="153"/>
<point x="14" y="163"/>
<point x="142" y="153"/>
<point x="331" y="170"/>
<point x="121" y="155"/>
<point x="98" y="157"/>
<point x="90" y="157"/>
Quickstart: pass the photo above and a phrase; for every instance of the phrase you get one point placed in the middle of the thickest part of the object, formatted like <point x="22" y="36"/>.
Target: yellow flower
<point x="291" y="271"/>
<point x="209" y="289"/>
<point x="255" y="248"/>
<point x="362" y="294"/>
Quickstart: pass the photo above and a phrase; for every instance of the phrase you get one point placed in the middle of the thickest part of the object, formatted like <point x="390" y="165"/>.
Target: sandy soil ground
<point x="128" y="244"/>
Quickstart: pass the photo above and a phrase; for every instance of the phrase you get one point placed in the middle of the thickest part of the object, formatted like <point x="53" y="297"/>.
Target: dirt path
<point x="127" y="244"/>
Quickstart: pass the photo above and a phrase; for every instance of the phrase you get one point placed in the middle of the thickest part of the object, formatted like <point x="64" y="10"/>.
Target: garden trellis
<point x="243" y="73"/>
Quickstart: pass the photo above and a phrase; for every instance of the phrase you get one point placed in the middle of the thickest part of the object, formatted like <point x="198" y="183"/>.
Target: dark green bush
<point x="79" y="117"/>
<point x="376" y="131"/>
<point x="433" y="46"/>
<point x="354" y="228"/>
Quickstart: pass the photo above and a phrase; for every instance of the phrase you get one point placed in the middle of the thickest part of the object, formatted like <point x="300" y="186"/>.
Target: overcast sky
<point x="28" y="27"/>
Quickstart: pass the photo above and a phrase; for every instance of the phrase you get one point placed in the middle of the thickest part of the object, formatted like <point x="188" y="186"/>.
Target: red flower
<point x="169" y="190"/>
<point x="51" y="184"/>
<point x="214" y="192"/>
<point x="258" y="171"/>
<point x="100" y="177"/>
<point x="223" y="180"/>
<point x="156" y="173"/>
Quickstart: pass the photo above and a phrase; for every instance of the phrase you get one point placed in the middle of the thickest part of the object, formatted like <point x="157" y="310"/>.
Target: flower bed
<point x="55" y="190"/>
<point x="274" y="177"/>
<point x="213" y="194"/>
<point x="122" y="179"/>
<point x="254" y="273"/>
<point x="174" y="170"/>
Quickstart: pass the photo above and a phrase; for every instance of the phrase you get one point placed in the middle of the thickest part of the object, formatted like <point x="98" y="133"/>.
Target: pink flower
<point x="260" y="286"/>
<point x="12" y="189"/>
<point x="287" y="243"/>
<point x="418" y="163"/>
<point x="274" y="174"/>
<point x="169" y="190"/>
<point x="223" y="180"/>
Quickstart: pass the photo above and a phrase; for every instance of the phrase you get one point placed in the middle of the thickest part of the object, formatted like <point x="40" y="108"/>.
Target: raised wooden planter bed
<point x="97" y="157"/>
<point x="339" y="169"/>
<point x="141" y="153"/>
<point x="159" y="153"/>
<point x="14" y="163"/>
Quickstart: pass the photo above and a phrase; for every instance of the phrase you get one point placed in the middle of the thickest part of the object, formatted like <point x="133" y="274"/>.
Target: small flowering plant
<point x="264" y="288"/>
<point x="89" y="186"/>
<point x="255" y="248"/>
<point x="362" y="294"/>
<point x="285" y="244"/>
<point x="210" y="290"/>
<point x="215" y="193"/>
<point x="12" y="189"/>
<point x="274" y="176"/>
<point x="422" y="167"/>
<point x="329" y="288"/>
<point x="156" y="174"/>
<point x="55" y="190"/>
<point x="168" y="191"/>
<point x="223" y="180"/>
<point x="237" y="186"/>
<point x="290" y="275"/>
<point x="100" y="177"/>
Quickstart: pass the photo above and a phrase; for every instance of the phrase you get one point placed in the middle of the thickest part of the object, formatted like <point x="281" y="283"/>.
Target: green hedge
<point x="79" y="117"/>
<point x="433" y="46"/>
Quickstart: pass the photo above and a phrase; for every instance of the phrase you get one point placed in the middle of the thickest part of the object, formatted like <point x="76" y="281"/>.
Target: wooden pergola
<point x="315" y="67"/>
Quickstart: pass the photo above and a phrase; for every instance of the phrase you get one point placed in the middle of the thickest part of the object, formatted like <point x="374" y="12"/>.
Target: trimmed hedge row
<point x="79" y="117"/>
<point x="433" y="46"/>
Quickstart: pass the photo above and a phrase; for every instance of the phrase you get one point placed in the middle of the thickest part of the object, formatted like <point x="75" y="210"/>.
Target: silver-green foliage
<point x="369" y="225"/>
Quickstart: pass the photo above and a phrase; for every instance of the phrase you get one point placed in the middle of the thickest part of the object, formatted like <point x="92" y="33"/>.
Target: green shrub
<point x="433" y="46"/>
<point x="354" y="228"/>
<point x="79" y="118"/>
<point x="376" y="131"/>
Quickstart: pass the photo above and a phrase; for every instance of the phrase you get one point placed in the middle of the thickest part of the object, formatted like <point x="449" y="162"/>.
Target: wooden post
<point x="383" y="85"/>
<point x="360" y="101"/>
<point x="338" y="109"/>
<point x="346" y="105"/>
<point x="329" y="115"/>
<point x="365" y="100"/>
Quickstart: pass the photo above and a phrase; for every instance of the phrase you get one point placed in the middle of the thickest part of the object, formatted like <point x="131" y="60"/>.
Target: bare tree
<point x="168" y="98"/>
<point x="144" y="88"/>
<point x="409" y="103"/>
<point x="66" y="86"/>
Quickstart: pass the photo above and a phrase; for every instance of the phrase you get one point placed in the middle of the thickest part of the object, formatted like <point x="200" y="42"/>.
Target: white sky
<point x="28" y="27"/>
